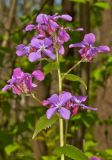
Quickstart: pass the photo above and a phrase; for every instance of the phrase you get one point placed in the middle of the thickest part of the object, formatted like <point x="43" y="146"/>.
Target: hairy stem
<point x="61" y="122"/>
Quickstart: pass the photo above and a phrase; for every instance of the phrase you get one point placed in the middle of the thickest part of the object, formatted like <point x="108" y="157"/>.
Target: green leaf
<point x="44" y="123"/>
<point x="102" y="5"/>
<point x="48" y="68"/>
<point x="73" y="77"/>
<point x="71" y="152"/>
<point x="11" y="148"/>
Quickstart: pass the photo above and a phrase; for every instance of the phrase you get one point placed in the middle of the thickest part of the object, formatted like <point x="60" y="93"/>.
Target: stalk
<point x="61" y="121"/>
<point x="73" y="67"/>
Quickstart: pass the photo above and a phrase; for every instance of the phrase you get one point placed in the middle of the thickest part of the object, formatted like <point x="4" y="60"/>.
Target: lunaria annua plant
<point x="48" y="44"/>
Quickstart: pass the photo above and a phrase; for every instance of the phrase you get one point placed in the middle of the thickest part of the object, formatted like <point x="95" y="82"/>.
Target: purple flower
<point x="22" y="50"/>
<point x="22" y="82"/>
<point x="63" y="37"/>
<point x="38" y="75"/>
<point x="88" y="50"/>
<point x="77" y="102"/>
<point x="49" y="23"/>
<point x="57" y="104"/>
<point x="95" y="158"/>
<point x="30" y="27"/>
<point x="42" y="48"/>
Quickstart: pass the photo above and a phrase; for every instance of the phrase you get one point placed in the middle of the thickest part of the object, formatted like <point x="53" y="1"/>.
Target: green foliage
<point x="49" y="157"/>
<point x="102" y="5"/>
<point x="71" y="152"/>
<point x="79" y="1"/>
<point x="51" y="66"/>
<point x="72" y="77"/>
<point x="11" y="148"/>
<point x="44" y="123"/>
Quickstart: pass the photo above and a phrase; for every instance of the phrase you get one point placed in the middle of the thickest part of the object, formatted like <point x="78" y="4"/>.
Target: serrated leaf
<point x="48" y="68"/>
<point x="71" y="152"/>
<point x="102" y="5"/>
<point x="74" y="78"/>
<point x="44" y="123"/>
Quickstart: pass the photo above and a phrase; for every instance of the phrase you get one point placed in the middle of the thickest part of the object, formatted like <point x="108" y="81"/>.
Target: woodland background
<point x="91" y="132"/>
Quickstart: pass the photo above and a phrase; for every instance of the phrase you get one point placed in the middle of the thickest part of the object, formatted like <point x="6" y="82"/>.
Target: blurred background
<point x="89" y="131"/>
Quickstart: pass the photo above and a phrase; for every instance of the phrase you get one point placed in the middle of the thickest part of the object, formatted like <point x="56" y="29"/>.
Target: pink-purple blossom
<point x="22" y="50"/>
<point x="21" y="82"/>
<point x="47" y="23"/>
<point x="88" y="50"/>
<point x="78" y="102"/>
<point x="38" y="48"/>
<point x="41" y="48"/>
<point x="57" y="104"/>
<point x="64" y="104"/>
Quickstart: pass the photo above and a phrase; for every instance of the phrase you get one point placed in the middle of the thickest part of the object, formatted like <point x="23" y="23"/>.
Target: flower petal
<point x="42" y="18"/>
<point x="54" y="99"/>
<point x="65" y="17"/>
<point x="50" y="112"/>
<point x="30" y="27"/>
<point x="61" y="50"/>
<point x="18" y="73"/>
<point x="49" y="53"/>
<point x="34" y="85"/>
<point x="63" y="36"/>
<point x="53" y="25"/>
<point x="65" y="113"/>
<point x="89" y="38"/>
<point x="79" y="29"/>
<point x="103" y="49"/>
<point x="34" y="56"/>
<point x="75" y="110"/>
<point x="39" y="75"/>
<point x="79" y="99"/>
<point x="64" y="97"/>
<point x="5" y="88"/>
<point x="48" y="42"/>
<point x="36" y="42"/>
<point x="16" y="90"/>
<point x="95" y="158"/>
<point x="81" y="44"/>
<point x="28" y="83"/>
<point x="87" y="107"/>
<point x="22" y="50"/>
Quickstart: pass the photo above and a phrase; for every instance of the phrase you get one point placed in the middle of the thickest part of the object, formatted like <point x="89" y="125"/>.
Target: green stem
<point x="37" y="99"/>
<point x="66" y="130"/>
<point x="74" y="66"/>
<point x="61" y="122"/>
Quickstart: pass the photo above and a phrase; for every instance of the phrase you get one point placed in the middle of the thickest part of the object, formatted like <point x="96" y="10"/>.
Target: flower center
<point x="42" y="48"/>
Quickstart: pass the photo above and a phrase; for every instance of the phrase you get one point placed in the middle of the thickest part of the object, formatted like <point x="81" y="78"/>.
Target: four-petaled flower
<point x="41" y="48"/>
<point x="77" y="102"/>
<point x="88" y="50"/>
<point x="22" y="82"/>
<point x="38" y="48"/>
<point x="58" y="103"/>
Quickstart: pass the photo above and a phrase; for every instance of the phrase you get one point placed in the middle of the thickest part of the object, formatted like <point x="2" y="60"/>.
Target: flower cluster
<point x="51" y="36"/>
<point x="22" y="82"/>
<point x="64" y="104"/>
<point x="42" y="44"/>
